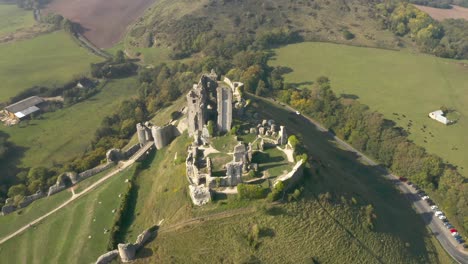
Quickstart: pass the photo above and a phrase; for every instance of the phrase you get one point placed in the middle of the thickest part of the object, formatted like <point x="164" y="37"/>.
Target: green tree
<point x="119" y="57"/>
<point x="15" y="190"/>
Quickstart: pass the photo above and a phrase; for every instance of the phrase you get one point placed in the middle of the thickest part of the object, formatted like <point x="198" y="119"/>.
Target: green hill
<point x="345" y="207"/>
<point x="183" y="28"/>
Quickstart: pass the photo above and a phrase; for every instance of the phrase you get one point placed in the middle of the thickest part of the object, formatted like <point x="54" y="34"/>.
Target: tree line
<point x="447" y="39"/>
<point x="444" y="4"/>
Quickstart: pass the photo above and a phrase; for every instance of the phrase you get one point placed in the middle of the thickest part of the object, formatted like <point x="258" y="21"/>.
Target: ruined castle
<point x="214" y="101"/>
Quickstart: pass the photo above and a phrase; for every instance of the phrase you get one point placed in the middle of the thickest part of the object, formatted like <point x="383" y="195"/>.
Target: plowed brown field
<point x="441" y="14"/>
<point x="104" y="21"/>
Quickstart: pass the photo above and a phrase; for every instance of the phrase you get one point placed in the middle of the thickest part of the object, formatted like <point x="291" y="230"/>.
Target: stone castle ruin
<point x="161" y="136"/>
<point x="213" y="101"/>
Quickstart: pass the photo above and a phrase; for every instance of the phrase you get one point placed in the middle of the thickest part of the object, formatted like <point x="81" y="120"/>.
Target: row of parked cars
<point x="439" y="214"/>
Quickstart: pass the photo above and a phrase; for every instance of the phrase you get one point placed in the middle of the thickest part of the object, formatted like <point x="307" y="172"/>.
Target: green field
<point x="13" y="18"/>
<point x="16" y="220"/>
<point x="62" y="135"/>
<point x="50" y="59"/>
<point x="64" y="236"/>
<point x="403" y="86"/>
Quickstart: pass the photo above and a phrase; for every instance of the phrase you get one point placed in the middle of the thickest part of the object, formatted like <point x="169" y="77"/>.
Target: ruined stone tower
<point x="224" y="98"/>
<point x="196" y="100"/>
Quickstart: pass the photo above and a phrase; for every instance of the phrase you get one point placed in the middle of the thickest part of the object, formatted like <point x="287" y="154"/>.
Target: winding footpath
<point x="122" y="165"/>
<point x="442" y="234"/>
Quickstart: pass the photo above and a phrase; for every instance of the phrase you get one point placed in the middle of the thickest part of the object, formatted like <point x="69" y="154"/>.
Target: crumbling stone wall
<point x="293" y="176"/>
<point x="31" y="198"/>
<point x="108" y="257"/>
<point x="132" y="150"/>
<point x="9" y="207"/>
<point x="127" y="252"/>
<point x="57" y="187"/>
<point x="162" y="136"/>
<point x="86" y="174"/>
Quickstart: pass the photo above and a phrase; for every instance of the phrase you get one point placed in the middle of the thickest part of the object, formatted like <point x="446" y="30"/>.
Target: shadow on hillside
<point x="129" y="215"/>
<point x="349" y="96"/>
<point x="299" y="84"/>
<point x="10" y="162"/>
<point x="341" y="177"/>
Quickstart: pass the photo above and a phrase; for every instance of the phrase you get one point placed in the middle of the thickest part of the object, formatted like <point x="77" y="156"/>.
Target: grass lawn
<point x="64" y="237"/>
<point x="14" y="221"/>
<point x="62" y="135"/>
<point x="272" y="162"/>
<point x="225" y="143"/>
<point x="50" y="59"/>
<point x="13" y="18"/>
<point x="403" y="86"/>
<point x="154" y="55"/>
<point x="161" y="190"/>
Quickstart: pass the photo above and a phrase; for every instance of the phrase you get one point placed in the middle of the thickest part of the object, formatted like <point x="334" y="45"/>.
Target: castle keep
<point x="208" y="100"/>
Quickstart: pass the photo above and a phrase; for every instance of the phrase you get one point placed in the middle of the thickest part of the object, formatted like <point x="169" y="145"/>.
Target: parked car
<point x="460" y="241"/>
<point x="449" y="225"/>
<point x="429" y="202"/>
<point x="415" y="187"/>
<point x="453" y="230"/>
<point x="465" y="246"/>
<point x="437" y="213"/>
<point x="425" y="197"/>
<point x="434" y="207"/>
<point x="403" y="179"/>
<point x="455" y="234"/>
<point x="457" y="237"/>
<point x="442" y="217"/>
<point x="409" y="183"/>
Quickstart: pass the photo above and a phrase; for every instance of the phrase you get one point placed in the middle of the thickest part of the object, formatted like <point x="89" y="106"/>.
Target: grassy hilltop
<point x="345" y="207"/>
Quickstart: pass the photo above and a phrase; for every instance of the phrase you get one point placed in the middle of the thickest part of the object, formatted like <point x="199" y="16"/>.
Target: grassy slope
<point x="50" y="59"/>
<point x="320" y="19"/>
<point x="13" y="18"/>
<point x="12" y="222"/>
<point x="307" y="229"/>
<point x="63" y="237"/>
<point x="64" y="134"/>
<point x="392" y="82"/>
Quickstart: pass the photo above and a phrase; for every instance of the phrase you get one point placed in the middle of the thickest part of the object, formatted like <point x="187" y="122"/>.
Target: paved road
<point x="122" y="165"/>
<point x="455" y="250"/>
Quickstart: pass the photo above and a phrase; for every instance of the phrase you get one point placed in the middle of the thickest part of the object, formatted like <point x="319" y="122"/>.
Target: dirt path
<point x="198" y="220"/>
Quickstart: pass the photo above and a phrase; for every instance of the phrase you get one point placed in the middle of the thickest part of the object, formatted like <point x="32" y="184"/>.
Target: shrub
<point x="250" y="192"/>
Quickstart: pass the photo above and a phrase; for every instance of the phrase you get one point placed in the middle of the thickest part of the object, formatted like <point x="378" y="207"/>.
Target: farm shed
<point x="439" y="116"/>
<point x="24" y="107"/>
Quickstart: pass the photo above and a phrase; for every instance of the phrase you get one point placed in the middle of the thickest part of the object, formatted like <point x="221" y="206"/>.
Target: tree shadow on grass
<point x="10" y="162"/>
<point x="262" y="157"/>
<point x="349" y="96"/>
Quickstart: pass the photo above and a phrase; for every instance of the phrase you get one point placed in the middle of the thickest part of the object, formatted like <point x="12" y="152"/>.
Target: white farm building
<point x="439" y="116"/>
